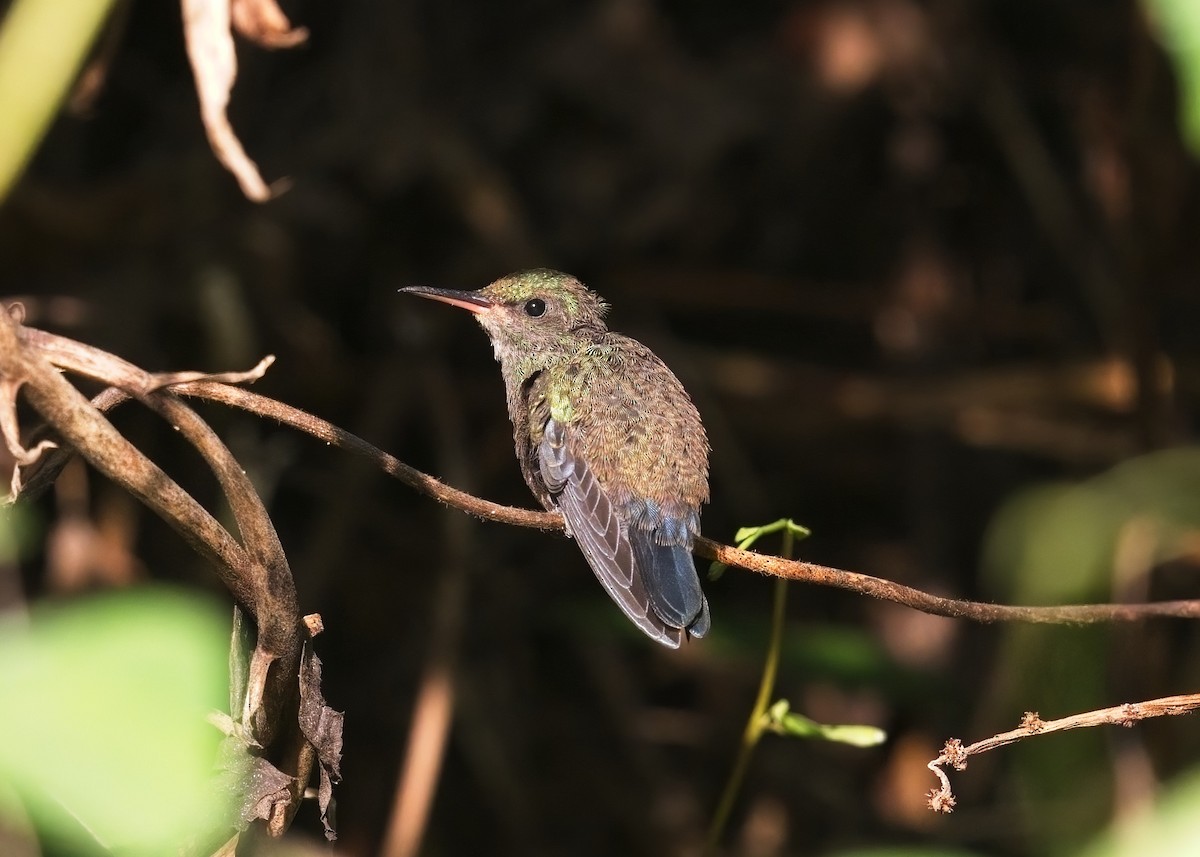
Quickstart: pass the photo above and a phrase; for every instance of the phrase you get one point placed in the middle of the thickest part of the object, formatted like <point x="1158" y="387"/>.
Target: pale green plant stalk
<point x="776" y="717"/>
<point x="43" y="44"/>
<point x="758" y="719"/>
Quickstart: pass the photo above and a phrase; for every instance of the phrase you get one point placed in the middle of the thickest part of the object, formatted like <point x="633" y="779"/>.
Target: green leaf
<point x="781" y="720"/>
<point x="54" y="38"/>
<point x="17" y="532"/>
<point x="1060" y="542"/>
<point x="103" y="726"/>
<point x="1177" y="25"/>
<point x="1168" y="827"/>
<point x="906" y="851"/>
<point x="747" y="536"/>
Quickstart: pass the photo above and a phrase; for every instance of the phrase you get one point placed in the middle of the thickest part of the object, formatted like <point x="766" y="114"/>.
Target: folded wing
<point x="655" y="585"/>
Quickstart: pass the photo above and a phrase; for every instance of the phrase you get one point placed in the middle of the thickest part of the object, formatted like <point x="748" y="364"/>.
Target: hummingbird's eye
<point x="535" y="307"/>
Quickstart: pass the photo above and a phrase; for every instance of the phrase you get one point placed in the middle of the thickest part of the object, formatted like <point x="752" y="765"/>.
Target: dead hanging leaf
<point x="206" y="25"/>
<point x="248" y="781"/>
<point x="322" y="726"/>
<point x="214" y="64"/>
<point x="263" y="22"/>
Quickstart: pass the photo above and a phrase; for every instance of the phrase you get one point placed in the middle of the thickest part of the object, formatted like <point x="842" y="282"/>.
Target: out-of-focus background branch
<point x="927" y="268"/>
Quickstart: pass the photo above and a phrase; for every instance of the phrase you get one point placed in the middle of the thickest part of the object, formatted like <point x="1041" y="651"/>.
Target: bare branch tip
<point x="941" y="800"/>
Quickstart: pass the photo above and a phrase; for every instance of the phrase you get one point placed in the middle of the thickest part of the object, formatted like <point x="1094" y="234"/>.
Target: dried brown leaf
<point x="263" y="22"/>
<point x="322" y="726"/>
<point x="206" y="25"/>
<point x="251" y="783"/>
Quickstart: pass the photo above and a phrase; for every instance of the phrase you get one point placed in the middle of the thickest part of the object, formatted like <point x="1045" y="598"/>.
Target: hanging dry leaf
<point x="206" y="25"/>
<point x="263" y="22"/>
<point x="322" y="726"/>
<point x="249" y="782"/>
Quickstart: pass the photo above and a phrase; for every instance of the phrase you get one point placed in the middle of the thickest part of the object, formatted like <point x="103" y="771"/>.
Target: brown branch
<point x="331" y="434"/>
<point x="259" y="576"/>
<point x="266" y="584"/>
<point x="955" y="754"/>
<point x="81" y="425"/>
<point x="806" y="572"/>
<point x="976" y="611"/>
<point x="255" y="571"/>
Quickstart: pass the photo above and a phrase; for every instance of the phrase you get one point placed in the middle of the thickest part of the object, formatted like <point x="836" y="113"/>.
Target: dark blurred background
<point x="926" y="267"/>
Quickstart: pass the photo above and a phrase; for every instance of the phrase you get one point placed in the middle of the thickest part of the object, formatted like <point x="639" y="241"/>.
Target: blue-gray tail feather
<point x="669" y="575"/>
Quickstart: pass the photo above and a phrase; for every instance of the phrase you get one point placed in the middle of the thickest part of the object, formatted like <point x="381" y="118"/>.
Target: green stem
<point x="758" y="715"/>
<point x="42" y="45"/>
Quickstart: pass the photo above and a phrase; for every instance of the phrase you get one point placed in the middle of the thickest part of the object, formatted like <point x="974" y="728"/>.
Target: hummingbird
<point x="606" y="435"/>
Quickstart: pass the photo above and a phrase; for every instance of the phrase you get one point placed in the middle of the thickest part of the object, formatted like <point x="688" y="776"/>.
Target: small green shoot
<point x="747" y="536"/>
<point x="777" y="717"/>
<point x="781" y="720"/>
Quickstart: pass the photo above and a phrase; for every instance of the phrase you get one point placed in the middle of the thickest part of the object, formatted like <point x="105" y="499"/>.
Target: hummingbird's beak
<point x="472" y="301"/>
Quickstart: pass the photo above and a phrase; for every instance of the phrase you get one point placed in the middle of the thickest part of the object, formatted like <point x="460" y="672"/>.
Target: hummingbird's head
<point x="530" y="312"/>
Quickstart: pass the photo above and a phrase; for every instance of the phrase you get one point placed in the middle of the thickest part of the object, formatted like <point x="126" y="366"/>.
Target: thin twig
<point x="334" y="436"/>
<point x="976" y="611"/>
<point x="955" y="754"/>
<point x="806" y="572"/>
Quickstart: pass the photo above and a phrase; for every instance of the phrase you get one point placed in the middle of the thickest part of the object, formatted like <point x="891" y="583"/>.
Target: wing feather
<point x="600" y="533"/>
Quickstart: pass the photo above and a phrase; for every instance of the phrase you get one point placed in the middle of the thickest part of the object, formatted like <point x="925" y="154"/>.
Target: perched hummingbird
<point x="605" y="434"/>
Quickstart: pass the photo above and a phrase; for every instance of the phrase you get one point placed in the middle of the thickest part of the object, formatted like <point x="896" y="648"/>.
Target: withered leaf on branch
<point x="322" y="726"/>
<point x="207" y="29"/>
<point x="263" y="22"/>
<point x="249" y="782"/>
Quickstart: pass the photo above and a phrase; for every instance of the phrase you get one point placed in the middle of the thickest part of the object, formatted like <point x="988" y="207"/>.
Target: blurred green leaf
<point x="1177" y="24"/>
<point x="1078" y="542"/>
<point x="52" y="37"/>
<point x="1058" y="543"/>
<point x="17" y="531"/>
<point x="905" y="851"/>
<point x="1171" y="826"/>
<point x="1052" y="545"/>
<point x="846" y="654"/>
<point x="105" y="736"/>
